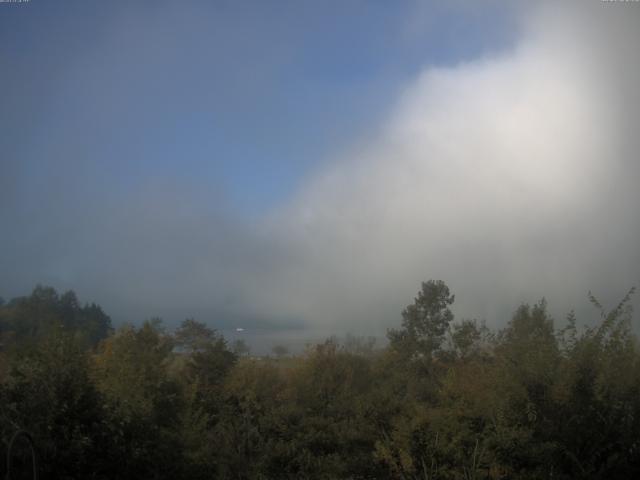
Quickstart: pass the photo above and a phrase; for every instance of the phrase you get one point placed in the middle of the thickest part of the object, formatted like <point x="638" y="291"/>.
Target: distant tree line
<point x="444" y="400"/>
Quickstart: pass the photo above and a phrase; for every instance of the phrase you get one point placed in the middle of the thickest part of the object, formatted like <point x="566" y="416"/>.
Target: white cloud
<point x="494" y="175"/>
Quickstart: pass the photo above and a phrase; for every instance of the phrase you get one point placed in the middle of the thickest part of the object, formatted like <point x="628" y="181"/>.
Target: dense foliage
<point x="445" y="399"/>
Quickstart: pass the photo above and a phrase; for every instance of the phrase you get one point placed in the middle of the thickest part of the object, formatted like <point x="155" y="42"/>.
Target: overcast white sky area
<point x="307" y="166"/>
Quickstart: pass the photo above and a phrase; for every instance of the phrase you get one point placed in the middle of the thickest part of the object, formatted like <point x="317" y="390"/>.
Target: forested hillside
<point x="446" y="399"/>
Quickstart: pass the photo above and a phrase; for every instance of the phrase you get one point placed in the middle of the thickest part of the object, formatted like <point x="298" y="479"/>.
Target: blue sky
<point x="241" y="98"/>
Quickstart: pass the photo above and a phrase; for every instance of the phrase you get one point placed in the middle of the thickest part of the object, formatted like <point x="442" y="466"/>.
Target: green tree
<point x="49" y="393"/>
<point x="248" y="438"/>
<point x="205" y="363"/>
<point x="143" y="402"/>
<point x="193" y="336"/>
<point x="208" y="358"/>
<point x="468" y="338"/>
<point x="597" y="397"/>
<point x="328" y="429"/>
<point x="425" y="322"/>
<point x="28" y="319"/>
